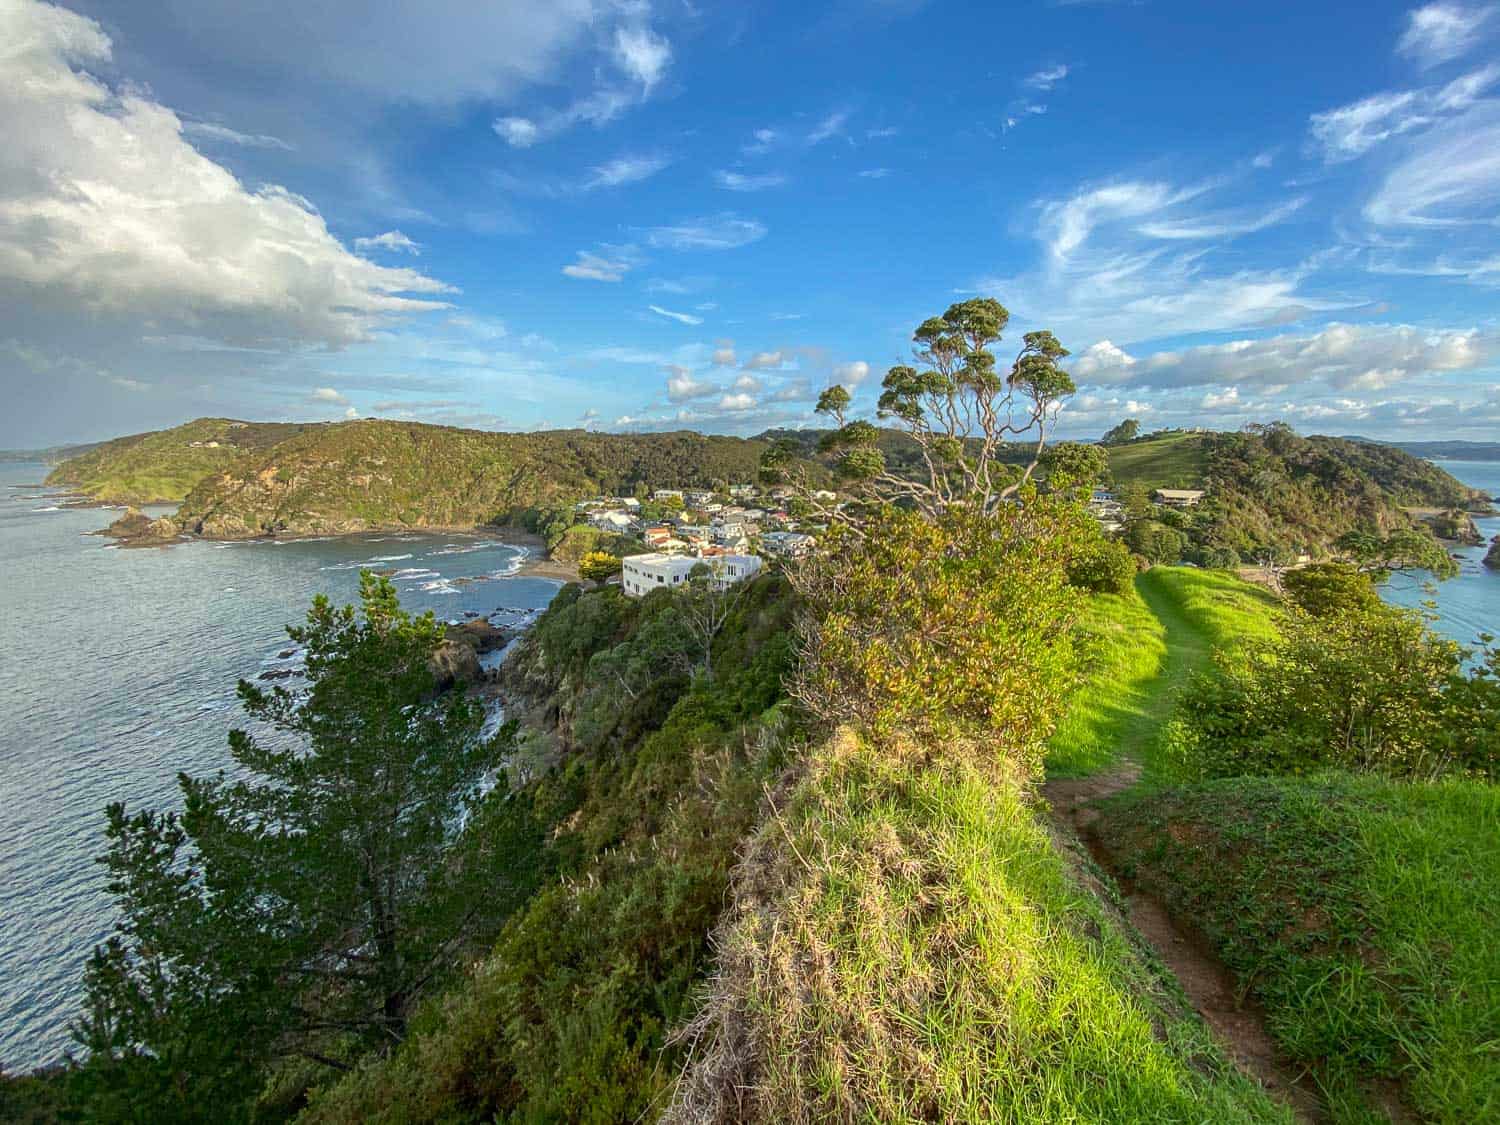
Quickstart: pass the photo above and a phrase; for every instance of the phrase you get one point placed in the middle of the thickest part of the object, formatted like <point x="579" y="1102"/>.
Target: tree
<point x="303" y="904"/>
<point x="1136" y="500"/>
<point x="1328" y="588"/>
<point x="1407" y="548"/>
<point x="1154" y="542"/>
<point x="959" y="409"/>
<point x="598" y="566"/>
<point x="1072" y="468"/>
<point x="1118" y="435"/>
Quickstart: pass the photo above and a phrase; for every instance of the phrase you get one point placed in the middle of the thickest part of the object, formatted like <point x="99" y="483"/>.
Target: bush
<point x="949" y="628"/>
<point x="1155" y="542"/>
<point x="1367" y="689"/>
<point x="1104" y="567"/>
<point x="1329" y="588"/>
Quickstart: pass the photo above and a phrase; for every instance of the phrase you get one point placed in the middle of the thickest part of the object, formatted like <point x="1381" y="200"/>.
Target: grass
<point x="1364" y="914"/>
<point x="1173" y="461"/>
<point x="905" y="943"/>
<point x="1138" y="650"/>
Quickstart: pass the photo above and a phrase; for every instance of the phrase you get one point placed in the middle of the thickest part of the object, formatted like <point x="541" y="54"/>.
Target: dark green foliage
<point x="303" y="906"/>
<point x="660" y="779"/>
<point x="1126" y="431"/>
<point x="1365" y="688"/>
<point x="1155" y="542"/>
<point x="1104" y="566"/>
<point x="1329" y="588"/>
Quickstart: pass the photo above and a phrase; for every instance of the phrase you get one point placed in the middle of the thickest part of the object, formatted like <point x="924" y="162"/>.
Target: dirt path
<point x="1209" y="986"/>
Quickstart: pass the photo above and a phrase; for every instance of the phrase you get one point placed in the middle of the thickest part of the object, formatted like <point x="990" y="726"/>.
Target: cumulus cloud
<point x="851" y="374"/>
<point x="1342" y="356"/>
<point x="739" y="401"/>
<point x="1438" y="33"/>
<point x="680" y="317"/>
<point x="107" y="208"/>
<point x="724" y="231"/>
<point x="748" y="383"/>
<point x="764" y="361"/>
<point x="683" y="387"/>
<point x="724" y="357"/>
<point x="329" y="396"/>
<point x="392" y="240"/>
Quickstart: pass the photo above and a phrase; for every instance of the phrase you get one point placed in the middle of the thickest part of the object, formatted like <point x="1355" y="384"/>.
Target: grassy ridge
<point x="1169" y="461"/>
<point x="907" y="944"/>
<point x="1363" y="913"/>
<point x="163" y="466"/>
<point x="1138" y="650"/>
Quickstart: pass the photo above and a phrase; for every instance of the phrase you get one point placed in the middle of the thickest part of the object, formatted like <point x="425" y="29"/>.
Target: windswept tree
<point x="1404" y="549"/>
<point x="960" y="407"/>
<point x="1126" y="431"/>
<point x="303" y="903"/>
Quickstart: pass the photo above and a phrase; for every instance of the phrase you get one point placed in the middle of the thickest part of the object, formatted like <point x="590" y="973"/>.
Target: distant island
<point x="1451" y="450"/>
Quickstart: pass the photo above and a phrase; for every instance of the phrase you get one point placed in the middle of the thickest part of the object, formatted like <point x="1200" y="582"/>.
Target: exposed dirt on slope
<point x="1238" y="1024"/>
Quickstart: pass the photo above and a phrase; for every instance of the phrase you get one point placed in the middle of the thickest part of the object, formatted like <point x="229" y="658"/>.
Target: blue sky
<point x="651" y="214"/>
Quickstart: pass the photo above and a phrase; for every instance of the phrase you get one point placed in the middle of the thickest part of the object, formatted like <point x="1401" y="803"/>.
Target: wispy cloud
<point x="680" y="317"/>
<point x="624" y="170"/>
<point x="611" y="263"/>
<point x="1439" y="33"/>
<point x="741" y="181"/>
<point x="724" y="231"/>
<point x="1046" y="78"/>
<point x="392" y="240"/>
<point x="828" y="128"/>
<point x="208" y="131"/>
<point x="874" y="173"/>
<point x="1350" y="131"/>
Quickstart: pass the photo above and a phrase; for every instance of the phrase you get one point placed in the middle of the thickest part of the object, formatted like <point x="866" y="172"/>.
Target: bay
<point x="118" y="669"/>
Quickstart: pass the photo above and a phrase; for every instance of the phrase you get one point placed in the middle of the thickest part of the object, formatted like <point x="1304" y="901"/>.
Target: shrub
<point x="1328" y="588"/>
<point x="949" y="627"/>
<point x="1155" y="542"/>
<point x="1367" y="689"/>
<point x="1105" y="566"/>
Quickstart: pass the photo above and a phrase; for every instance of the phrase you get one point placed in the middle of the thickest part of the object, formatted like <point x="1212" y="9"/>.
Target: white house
<point x="666" y="494"/>
<point x="787" y="544"/>
<point x="617" y="522"/>
<point x="1178" y="497"/>
<point x="697" y="497"/>
<point x="640" y="574"/>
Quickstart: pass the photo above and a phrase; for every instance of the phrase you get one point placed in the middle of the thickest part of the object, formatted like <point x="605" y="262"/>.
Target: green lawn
<point x="1173" y="461"/>
<point x="1138" y="650"/>
<point x="1364" y="914"/>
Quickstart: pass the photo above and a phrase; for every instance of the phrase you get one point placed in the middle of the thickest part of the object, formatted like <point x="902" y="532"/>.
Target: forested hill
<point x="163" y="466"/>
<point x="357" y="476"/>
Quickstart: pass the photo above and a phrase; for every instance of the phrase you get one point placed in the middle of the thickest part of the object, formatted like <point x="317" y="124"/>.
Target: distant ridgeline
<point x="240" y="479"/>
<point x="237" y="479"/>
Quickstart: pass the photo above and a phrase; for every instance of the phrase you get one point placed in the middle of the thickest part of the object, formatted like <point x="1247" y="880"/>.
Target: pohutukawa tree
<point x="959" y="406"/>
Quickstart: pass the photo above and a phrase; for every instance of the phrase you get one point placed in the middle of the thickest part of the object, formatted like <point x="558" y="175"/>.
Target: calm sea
<point x="1469" y="604"/>
<point x="117" y="670"/>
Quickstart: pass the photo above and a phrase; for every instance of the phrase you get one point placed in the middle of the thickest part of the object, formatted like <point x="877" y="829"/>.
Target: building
<point x="640" y="574"/>
<point x="666" y="494"/>
<point x="697" y="497"/>
<point x="618" y="522"/>
<point x="1178" y="497"/>
<point x="787" y="544"/>
<point x="741" y="491"/>
<point x="730" y="569"/>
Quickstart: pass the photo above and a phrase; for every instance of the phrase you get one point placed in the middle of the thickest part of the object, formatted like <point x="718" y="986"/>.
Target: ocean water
<point x="1469" y="604"/>
<point x="118" y="669"/>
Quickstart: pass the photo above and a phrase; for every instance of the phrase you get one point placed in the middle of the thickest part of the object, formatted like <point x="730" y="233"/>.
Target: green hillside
<point x="1172" y="460"/>
<point x="163" y="466"/>
<point x="358" y="476"/>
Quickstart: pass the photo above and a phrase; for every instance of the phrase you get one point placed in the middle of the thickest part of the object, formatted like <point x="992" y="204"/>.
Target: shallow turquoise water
<point x="117" y="670"/>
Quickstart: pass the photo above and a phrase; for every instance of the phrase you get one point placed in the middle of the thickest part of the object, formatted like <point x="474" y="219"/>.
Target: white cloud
<point x="724" y="357"/>
<point x="1450" y="177"/>
<point x="208" y="131"/>
<point x="624" y="170"/>
<point x="1342" y="356"/>
<point x="1219" y="400"/>
<point x="518" y="132"/>
<point x="682" y="387"/>
<point x="642" y="55"/>
<point x="748" y="383"/>
<point x="764" y="361"/>
<point x="874" y="173"/>
<point x="737" y="402"/>
<point x="611" y="263"/>
<point x="680" y="317"/>
<point x="724" y="231"/>
<point x="1350" y="131"/>
<point x="330" y="396"/>
<point x="1441" y="32"/>
<point x="763" y="141"/>
<point x="741" y="181"/>
<point x="392" y="240"/>
<point x="851" y="374"/>
<point x="109" y="210"/>
<point x="1047" y="77"/>
<point x="828" y="128"/>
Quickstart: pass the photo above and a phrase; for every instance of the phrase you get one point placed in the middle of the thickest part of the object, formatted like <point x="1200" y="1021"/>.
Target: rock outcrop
<point x="455" y="664"/>
<point x="1492" y="557"/>
<point x="136" y="529"/>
